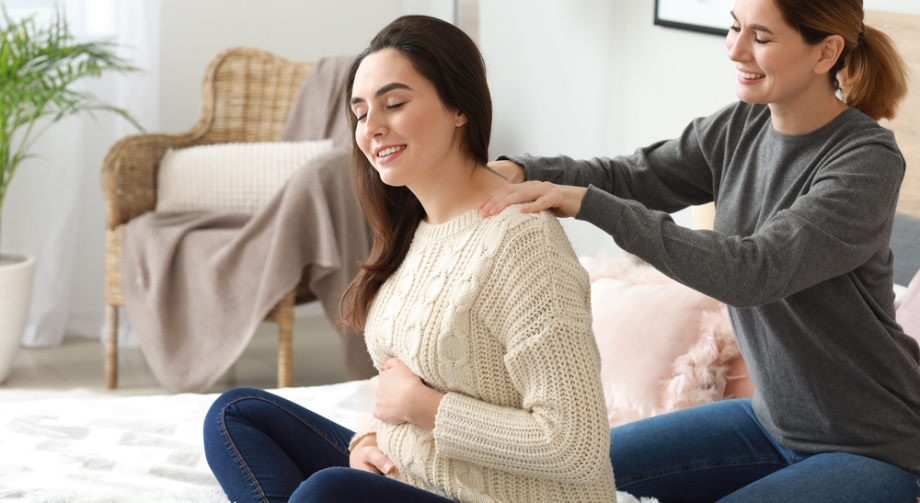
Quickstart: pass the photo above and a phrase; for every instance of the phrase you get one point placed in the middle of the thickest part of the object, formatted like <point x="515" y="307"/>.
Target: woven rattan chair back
<point x="246" y="96"/>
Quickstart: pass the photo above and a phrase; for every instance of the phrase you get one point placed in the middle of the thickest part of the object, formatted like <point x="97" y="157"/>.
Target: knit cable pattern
<point x="496" y="313"/>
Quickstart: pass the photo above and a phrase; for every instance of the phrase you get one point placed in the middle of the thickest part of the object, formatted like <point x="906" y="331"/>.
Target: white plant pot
<point x="16" y="272"/>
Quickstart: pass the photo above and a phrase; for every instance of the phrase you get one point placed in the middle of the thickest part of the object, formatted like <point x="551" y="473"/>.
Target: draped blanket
<point x="197" y="284"/>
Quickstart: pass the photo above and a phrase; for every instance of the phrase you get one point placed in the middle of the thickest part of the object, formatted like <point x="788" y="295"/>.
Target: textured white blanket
<point x="144" y="449"/>
<point x="131" y="449"/>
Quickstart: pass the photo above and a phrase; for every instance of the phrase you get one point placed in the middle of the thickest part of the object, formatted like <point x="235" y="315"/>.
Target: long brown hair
<point x="445" y="56"/>
<point x="869" y="72"/>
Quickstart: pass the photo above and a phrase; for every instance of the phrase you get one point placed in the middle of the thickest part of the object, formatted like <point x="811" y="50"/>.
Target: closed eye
<point x="737" y="29"/>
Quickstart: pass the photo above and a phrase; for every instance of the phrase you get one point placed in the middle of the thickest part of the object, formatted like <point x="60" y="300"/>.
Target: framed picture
<point x="706" y="16"/>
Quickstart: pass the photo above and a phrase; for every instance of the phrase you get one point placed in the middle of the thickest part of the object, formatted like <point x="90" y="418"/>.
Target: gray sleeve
<point x="838" y="225"/>
<point x="666" y="176"/>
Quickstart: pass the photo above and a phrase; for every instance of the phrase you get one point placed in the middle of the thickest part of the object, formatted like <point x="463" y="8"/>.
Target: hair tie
<point x="862" y="33"/>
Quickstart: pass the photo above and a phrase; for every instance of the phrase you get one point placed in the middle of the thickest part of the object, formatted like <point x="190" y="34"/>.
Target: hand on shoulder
<point x="562" y="200"/>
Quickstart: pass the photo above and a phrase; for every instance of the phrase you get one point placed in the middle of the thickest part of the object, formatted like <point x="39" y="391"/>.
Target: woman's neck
<point x="457" y="192"/>
<point x="807" y="114"/>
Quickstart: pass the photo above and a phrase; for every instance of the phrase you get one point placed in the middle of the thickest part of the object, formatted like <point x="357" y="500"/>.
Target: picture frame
<point x="704" y="16"/>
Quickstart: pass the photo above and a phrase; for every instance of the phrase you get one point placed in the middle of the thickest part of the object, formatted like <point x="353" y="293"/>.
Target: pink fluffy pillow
<point x="663" y="345"/>
<point x="908" y="313"/>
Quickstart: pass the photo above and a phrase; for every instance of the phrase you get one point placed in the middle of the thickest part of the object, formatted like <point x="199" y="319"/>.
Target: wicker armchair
<point x="247" y="94"/>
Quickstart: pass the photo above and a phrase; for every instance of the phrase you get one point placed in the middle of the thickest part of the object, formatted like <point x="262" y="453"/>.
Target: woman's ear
<point x="831" y="48"/>
<point x="459" y="119"/>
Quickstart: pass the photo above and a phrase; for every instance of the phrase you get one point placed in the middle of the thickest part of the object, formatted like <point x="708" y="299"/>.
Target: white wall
<point x="444" y="9"/>
<point x="902" y="6"/>
<point x="192" y="32"/>
<point x="667" y="78"/>
<point x="552" y="71"/>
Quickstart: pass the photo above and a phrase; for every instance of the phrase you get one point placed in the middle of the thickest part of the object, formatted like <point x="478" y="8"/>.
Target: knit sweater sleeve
<point x="369" y="429"/>
<point x="537" y="302"/>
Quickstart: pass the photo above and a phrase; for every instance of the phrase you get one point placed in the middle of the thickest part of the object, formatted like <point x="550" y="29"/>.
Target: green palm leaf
<point x="38" y="65"/>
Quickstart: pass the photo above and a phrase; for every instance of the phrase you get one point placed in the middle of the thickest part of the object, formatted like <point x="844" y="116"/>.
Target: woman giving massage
<point x="805" y="183"/>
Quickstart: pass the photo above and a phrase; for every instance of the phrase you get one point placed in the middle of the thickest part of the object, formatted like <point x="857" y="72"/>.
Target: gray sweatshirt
<point x="800" y="253"/>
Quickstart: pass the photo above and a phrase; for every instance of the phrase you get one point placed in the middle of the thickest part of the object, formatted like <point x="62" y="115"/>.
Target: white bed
<point x="92" y="448"/>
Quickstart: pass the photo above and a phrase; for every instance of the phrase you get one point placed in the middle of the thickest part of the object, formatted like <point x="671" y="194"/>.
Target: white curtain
<point x="54" y="209"/>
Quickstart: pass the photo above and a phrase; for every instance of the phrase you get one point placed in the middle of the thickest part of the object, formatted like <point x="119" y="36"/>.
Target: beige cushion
<point x="234" y="177"/>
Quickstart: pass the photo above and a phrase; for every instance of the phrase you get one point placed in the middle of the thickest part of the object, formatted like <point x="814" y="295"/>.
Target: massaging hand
<point x="366" y="456"/>
<point x="562" y="200"/>
<point x="402" y="397"/>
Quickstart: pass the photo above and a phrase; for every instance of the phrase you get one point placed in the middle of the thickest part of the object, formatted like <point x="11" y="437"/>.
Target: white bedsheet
<point x="98" y="449"/>
<point x="145" y="449"/>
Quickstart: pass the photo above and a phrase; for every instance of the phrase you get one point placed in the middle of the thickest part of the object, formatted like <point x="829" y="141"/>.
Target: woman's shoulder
<point x="853" y="122"/>
<point x="514" y="221"/>
<point x="853" y="134"/>
<point x="537" y="231"/>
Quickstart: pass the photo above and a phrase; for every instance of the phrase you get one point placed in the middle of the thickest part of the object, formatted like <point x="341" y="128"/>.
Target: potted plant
<point x="39" y="63"/>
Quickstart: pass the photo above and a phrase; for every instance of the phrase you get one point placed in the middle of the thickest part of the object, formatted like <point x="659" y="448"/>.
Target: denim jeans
<point x="720" y="452"/>
<point x="263" y="448"/>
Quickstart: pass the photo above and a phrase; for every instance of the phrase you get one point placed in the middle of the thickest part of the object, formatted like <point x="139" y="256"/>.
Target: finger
<point x="358" y="460"/>
<point x="539" y="199"/>
<point x="486" y="205"/>
<point x="539" y="205"/>
<point x="367" y="467"/>
<point x="380" y="461"/>
<point x="507" y="197"/>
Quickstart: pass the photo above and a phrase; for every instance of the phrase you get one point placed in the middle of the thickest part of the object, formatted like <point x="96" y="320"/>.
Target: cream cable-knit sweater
<point x="496" y="313"/>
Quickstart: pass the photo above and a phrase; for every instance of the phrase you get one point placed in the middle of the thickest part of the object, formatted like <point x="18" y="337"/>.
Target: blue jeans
<point x="720" y="452"/>
<point x="263" y="448"/>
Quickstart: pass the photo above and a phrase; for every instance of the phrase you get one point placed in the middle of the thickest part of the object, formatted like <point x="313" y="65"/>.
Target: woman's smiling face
<point x="775" y="65"/>
<point x="403" y="128"/>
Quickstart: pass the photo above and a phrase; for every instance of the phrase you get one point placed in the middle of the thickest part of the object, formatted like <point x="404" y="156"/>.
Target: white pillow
<point x="235" y="177"/>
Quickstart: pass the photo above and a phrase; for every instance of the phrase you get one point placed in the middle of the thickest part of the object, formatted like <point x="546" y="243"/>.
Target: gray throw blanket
<point x="197" y="284"/>
<point x="322" y="90"/>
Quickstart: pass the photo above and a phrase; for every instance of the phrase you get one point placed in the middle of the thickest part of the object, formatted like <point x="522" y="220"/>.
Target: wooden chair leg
<point x="111" y="346"/>
<point x="285" y="372"/>
<point x="285" y="321"/>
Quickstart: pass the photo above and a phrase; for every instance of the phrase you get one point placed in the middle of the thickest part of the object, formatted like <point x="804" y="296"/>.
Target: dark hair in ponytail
<point x="869" y="72"/>
<point x="445" y="56"/>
